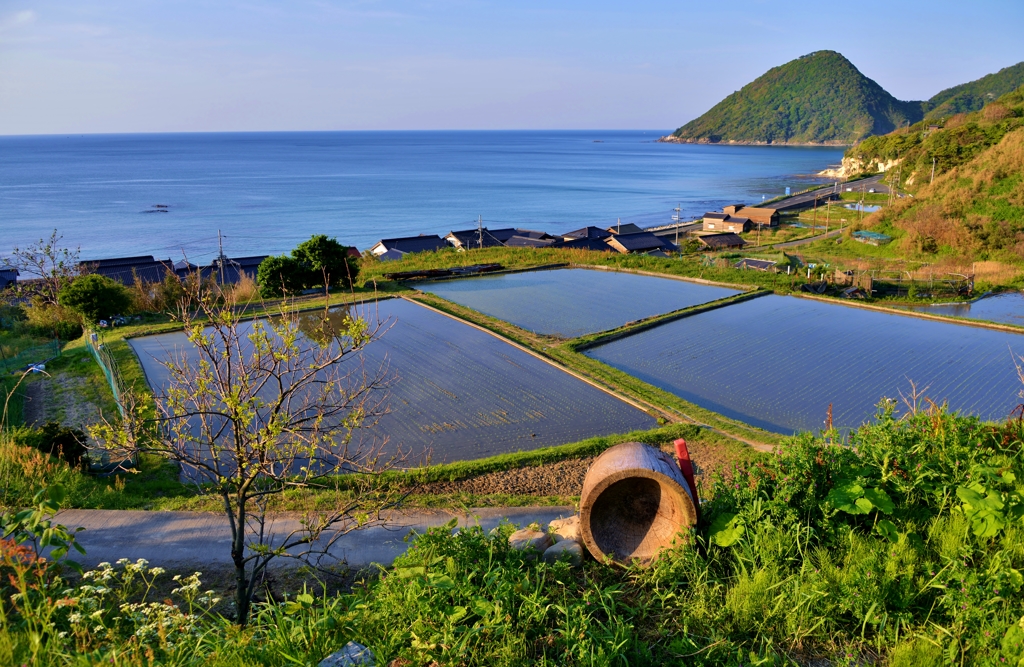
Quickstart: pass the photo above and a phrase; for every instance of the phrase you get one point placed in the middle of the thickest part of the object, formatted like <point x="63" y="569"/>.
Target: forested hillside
<point x="817" y="98"/>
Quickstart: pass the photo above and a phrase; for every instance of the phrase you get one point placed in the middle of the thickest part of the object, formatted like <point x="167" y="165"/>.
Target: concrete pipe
<point x="635" y="503"/>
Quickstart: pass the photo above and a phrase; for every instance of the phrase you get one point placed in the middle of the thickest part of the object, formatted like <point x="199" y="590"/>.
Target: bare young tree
<point x="48" y="260"/>
<point x="254" y="408"/>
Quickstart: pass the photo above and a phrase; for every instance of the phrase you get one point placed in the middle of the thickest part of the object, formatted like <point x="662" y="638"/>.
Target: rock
<point x="530" y="540"/>
<point x="565" y="529"/>
<point x="569" y="550"/>
<point x="351" y="655"/>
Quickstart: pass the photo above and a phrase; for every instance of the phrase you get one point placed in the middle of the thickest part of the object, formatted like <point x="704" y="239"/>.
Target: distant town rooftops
<point x="587" y="244"/>
<point x="529" y="242"/>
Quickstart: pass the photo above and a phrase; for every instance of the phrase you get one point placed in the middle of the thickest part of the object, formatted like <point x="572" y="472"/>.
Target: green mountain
<point x="819" y="98"/>
<point x="973" y="96"/>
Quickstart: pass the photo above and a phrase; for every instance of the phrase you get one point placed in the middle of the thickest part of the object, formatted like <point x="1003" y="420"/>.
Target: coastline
<point x="672" y="139"/>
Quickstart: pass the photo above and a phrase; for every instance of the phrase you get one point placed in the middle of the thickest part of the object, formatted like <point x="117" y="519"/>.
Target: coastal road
<point x="203" y="539"/>
<point x="806" y="199"/>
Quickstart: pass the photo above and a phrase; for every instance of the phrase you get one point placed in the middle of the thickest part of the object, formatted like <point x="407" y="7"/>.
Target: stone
<point x="530" y="540"/>
<point x="565" y="529"/>
<point x="350" y="655"/>
<point x="569" y="550"/>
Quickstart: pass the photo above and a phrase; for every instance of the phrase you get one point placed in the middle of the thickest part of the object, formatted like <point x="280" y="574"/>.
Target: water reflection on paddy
<point x="1007" y="308"/>
<point x="778" y="362"/>
<point x="573" y="302"/>
<point x="456" y="390"/>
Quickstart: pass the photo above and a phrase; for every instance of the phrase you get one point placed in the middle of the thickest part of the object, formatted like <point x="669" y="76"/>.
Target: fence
<point x="29" y="356"/>
<point x="109" y="368"/>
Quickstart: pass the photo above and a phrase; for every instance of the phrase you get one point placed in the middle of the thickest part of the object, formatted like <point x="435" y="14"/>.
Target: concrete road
<point x="198" y="539"/>
<point x="806" y="199"/>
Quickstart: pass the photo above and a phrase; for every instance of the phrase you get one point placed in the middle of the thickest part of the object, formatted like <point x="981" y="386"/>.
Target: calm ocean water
<point x="268" y="191"/>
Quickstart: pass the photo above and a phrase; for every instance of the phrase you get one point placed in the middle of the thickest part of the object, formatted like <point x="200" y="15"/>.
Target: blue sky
<point x="80" y="66"/>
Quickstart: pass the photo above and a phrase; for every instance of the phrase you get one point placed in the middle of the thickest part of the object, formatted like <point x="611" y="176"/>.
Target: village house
<point x="390" y="249"/>
<point x="125" y="269"/>
<point x="628" y="228"/>
<point x="8" y="276"/>
<point x="472" y="238"/>
<point x="722" y="222"/>
<point x="760" y="217"/>
<point x="587" y="233"/>
<point x="721" y="241"/>
<point x="642" y="242"/>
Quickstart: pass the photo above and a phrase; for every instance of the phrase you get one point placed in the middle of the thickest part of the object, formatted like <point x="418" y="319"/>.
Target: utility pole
<point x="814" y="224"/>
<point x="480" y="230"/>
<point x="618" y="225"/>
<point x="220" y="258"/>
<point x="678" y="217"/>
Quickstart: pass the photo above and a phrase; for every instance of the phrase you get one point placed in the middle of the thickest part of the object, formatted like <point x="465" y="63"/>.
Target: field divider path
<point x="669" y="276"/>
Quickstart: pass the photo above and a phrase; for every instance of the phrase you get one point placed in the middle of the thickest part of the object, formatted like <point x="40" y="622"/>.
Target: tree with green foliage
<point x="95" y="297"/>
<point x="319" y="262"/>
<point x="256" y="410"/>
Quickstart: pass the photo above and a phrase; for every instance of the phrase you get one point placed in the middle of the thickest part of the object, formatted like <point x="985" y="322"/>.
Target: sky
<point x="112" y="66"/>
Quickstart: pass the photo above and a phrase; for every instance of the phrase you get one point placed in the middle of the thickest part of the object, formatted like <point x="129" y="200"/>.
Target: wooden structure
<point x="721" y="241"/>
<point x="635" y="502"/>
<point x="720" y="222"/>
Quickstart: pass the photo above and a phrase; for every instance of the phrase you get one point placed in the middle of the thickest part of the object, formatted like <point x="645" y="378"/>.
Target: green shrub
<point x="311" y="264"/>
<point x="95" y="297"/>
<point x="49" y="321"/>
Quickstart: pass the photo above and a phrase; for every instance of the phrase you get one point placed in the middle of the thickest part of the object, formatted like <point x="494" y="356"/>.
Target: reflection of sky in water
<point x="778" y="362"/>
<point x="573" y="302"/>
<point x="456" y="391"/>
<point x="1007" y="308"/>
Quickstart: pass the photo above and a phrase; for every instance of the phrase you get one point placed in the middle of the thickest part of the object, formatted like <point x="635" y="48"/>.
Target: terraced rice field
<point x="459" y="392"/>
<point x="573" y="302"/>
<point x="1007" y="308"/>
<point x="778" y="362"/>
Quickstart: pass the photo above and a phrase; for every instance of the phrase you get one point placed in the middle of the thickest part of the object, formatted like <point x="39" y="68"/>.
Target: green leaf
<point x="844" y="497"/>
<point x="969" y="497"/>
<point x="880" y="499"/>
<point x="987" y="523"/>
<point x="887" y="529"/>
<point x="304" y="598"/>
<point x="410" y="572"/>
<point x="864" y="505"/>
<point x="726" y="529"/>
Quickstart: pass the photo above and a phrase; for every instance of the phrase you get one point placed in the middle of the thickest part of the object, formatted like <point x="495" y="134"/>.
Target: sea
<point x="179" y="195"/>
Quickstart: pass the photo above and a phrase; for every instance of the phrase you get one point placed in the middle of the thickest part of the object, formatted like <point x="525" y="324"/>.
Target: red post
<point x="686" y="467"/>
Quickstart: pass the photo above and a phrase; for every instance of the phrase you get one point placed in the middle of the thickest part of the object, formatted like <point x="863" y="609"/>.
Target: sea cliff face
<point x="852" y="166"/>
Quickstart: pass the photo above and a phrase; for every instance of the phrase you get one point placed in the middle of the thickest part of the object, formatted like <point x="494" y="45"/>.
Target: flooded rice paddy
<point x="457" y="391"/>
<point x="574" y="302"/>
<point x="778" y="362"/>
<point x="1007" y="308"/>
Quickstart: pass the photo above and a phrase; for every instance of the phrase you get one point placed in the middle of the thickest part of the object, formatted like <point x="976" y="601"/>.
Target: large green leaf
<point x="844" y="497"/>
<point x="880" y="499"/>
<point x="887" y="529"/>
<point x="726" y="529"/>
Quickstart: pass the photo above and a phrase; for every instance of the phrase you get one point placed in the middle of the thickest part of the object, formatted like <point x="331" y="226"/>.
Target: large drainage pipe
<point x="635" y="503"/>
